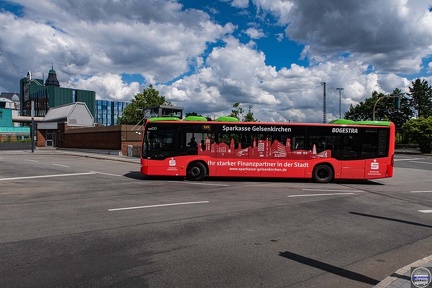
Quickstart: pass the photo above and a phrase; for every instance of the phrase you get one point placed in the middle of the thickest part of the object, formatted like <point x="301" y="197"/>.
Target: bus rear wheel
<point x="197" y="171"/>
<point x="322" y="173"/>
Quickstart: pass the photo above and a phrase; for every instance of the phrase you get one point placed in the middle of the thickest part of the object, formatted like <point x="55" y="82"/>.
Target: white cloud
<point x="280" y="8"/>
<point x="240" y="3"/>
<point x="108" y="87"/>
<point x="237" y="73"/>
<point x="388" y="82"/>
<point x="360" y="46"/>
<point x="391" y="34"/>
<point x="156" y="39"/>
<point x="255" y="33"/>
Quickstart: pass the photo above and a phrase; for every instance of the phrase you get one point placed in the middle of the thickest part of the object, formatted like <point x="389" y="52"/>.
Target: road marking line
<point x="32" y="160"/>
<point x="160" y="205"/>
<point x="205" y="184"/>
<point x="408" y="159"/>
<point x="421" y="191"/>
<point x="46" y="176"/>
<point x="327" y="194"/>
<point x="331" y="190"/>
<point x="109" y="174"/>
<point x="61" y="165"/>
<point x="425" y="211"/>
<point x="422" y="162"/>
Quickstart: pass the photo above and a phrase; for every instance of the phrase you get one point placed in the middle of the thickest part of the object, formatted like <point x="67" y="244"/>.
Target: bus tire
<point x="197" y="171"/>
<point x="322" y="173"/>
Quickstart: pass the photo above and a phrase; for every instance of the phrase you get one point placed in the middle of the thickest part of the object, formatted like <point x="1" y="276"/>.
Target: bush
<point x="420" y="131"/>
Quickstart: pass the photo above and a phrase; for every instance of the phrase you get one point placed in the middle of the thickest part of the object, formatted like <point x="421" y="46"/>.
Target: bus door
<point x="374" y="148"/>
<point x="352" y="166"/>
<point x="159" y="149"/>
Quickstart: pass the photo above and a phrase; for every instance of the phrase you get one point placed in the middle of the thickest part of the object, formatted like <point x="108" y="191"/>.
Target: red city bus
<point x="343" y="149"/>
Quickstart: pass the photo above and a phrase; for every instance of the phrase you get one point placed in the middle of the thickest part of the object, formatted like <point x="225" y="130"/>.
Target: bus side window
<point x="243" y="141"/>
<point x="369" y="143"/>
<point x="297" y="143"/>
<point x="350" y="147"/>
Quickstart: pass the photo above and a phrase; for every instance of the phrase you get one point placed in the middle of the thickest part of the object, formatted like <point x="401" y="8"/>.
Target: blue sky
<point x="207" y="55"/>
<point x="270" y="37"/>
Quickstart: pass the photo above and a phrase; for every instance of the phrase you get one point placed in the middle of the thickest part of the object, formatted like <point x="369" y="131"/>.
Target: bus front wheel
<point x="322" y="173"/>
<point x="197" y="171"/>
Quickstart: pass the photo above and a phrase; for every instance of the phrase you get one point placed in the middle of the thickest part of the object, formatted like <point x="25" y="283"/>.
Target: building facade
<point x="50" y="131"/>
<point x="107" y="112"/>
<point x="164" y="111"/>
<point x="49" y="94"/>
<point x="10" y="131"/>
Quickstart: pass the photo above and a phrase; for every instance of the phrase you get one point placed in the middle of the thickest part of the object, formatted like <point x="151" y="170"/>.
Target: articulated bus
<point x="339" y="150"/>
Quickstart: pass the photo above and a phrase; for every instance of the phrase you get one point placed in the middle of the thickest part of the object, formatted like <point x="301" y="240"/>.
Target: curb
<point x="104" y="156"/>
<point x="398" y="275"/>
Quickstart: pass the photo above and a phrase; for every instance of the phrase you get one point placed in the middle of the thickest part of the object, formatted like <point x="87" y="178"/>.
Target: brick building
<point x="72" y="126"/>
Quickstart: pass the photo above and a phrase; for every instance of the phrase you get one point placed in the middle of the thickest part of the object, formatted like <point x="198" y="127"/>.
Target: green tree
<point x="420" y="131"/>
<point x="421" y="97"/>
<point x="249" y="116"/>
<point x="364" y="110"/>
<point x="238" y="111"/>
<point x="192" y="114"/>
<point x="134" y="112"/>
<point x="384" y="108"/>
<point x="400" y="115"/>
<point x="196" y="114"/>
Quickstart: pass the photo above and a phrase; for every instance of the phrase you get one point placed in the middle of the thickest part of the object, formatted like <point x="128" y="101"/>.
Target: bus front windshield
<point x="158" y="145"/>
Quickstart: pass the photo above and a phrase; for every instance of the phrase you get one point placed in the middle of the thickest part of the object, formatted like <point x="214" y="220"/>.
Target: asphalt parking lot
<point x="70" y="221"/>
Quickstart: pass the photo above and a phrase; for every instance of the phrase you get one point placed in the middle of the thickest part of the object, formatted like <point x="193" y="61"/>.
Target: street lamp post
<point x="27" y="97"/>
<point x="340" y="102"/>
<point x="324" y="102"/>
<point x="32" y="128"/>
<point x="376" y="102"/>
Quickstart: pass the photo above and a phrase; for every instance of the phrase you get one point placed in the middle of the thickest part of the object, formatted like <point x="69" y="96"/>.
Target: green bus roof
<point x="163" y="119"/>
<point x="226" y="119"/>
<point x="195" y="118"/>
<point x="234" y="119"/>
<point x="367" y="122"/>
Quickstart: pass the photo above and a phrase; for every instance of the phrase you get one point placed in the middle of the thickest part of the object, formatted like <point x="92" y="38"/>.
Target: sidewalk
<point x="402" y="277"/>
<point x="114" y="155"/>
<point x="407" y="151"/>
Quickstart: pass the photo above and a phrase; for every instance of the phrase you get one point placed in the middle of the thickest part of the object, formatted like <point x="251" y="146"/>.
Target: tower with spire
<point x="52" y="78"/>
<point x="47" y="93"/>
